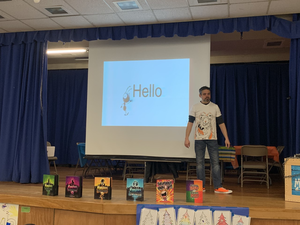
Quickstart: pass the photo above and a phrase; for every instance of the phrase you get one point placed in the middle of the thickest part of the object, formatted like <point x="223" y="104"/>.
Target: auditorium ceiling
<point x="34" y="15"/>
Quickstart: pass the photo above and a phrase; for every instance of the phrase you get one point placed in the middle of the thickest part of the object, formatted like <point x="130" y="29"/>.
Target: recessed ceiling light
<point x="56" y="10"/>
<point x="206" y="1"/>
<point x="127" y="5"/>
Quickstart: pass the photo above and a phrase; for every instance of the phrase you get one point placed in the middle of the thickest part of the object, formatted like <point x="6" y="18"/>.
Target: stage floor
<point x="264" y="204"/>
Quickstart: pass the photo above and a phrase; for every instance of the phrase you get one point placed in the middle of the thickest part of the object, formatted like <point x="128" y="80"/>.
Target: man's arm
<point x="187" y="134"/>
<point x="224" y="132"/>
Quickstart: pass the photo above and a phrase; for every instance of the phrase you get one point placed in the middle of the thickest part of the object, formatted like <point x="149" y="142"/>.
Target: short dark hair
<point x="203" y="88"/>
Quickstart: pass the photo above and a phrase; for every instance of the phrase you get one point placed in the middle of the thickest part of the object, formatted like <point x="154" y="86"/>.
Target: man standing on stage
<point x="206" y="114"/>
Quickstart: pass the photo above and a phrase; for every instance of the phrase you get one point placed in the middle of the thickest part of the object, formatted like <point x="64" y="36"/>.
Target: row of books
<point x="134" y="188"/>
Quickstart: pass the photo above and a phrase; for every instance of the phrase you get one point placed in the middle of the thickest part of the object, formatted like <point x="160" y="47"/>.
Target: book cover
<point x="103" y="188"/>
<point x="135" y="189"/>
<point x="295" y="180"/>
<point x="73" y="186"/>
<point x="165" y="191"/>
<point x="50" y="185"/>
<point x="194" y="191"/>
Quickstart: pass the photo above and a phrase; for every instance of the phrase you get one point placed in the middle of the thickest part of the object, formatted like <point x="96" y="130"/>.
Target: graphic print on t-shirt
<point x="204" y="127"/>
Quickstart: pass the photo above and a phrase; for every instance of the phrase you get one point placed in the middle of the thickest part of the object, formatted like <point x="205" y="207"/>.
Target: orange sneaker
<point x="222" y="190"/>
<point x="203" y="190"/>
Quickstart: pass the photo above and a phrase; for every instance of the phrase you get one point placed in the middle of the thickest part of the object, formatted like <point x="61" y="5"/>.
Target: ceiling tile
<point x="42" y="24"/>
<point x="195" y="2"/>
<point x="72" y="22"/>
<point x="248" y="9"/>
<point x="104" y="20"/>
<point x="21" y="10"/>
<point x="90" y="6"/>
<point x="6" y="16"/>
<point x="284" y="7"/>
<point x="163" y="4"/>
<point x="177" y="14"/>
<point x="43" y="4"/>
<point x="15" y="26"/>
<point x="142" y="3"/>
<point x="209" y="12"/>
<point x="138" y="17"/>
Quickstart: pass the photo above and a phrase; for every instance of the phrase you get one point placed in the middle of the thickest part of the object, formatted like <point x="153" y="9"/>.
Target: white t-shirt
<point x="205" y="120"/>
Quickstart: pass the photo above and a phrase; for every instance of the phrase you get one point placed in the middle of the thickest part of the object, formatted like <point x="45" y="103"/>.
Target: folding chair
<point x="273" y="163"/>
<point x="52" y="159"/>
<point x="82" y="162"/>
<point x="254" y="164"/>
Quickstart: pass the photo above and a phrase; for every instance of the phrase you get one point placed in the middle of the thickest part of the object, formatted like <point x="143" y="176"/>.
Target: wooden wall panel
<point x="63" y="217"/>
<point x="120" y="219"/>
<point x="274" y="222"/>
<point x="36" y="216"/>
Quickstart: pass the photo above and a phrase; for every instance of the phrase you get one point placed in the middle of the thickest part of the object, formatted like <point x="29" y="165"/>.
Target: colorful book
<point x="194" y="191"/>
<point x="103" y="188"/>
<point x="73" y="186"/>
<point x="135" y="189"/>
<point x="165" y="191"/>
<point x="50" y="185"/>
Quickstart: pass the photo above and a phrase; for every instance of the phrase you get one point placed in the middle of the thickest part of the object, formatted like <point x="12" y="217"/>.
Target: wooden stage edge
<point x="129" y="208"/>
<point x="266" y="206"/>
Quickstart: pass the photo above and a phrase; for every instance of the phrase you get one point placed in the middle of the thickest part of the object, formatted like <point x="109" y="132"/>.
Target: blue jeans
<point x="213" y="150"/>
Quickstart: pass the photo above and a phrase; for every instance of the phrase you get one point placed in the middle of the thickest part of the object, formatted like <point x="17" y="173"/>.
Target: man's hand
<point x="187" y="143"/>
<point x="187" y="134"/>
<point x="227" y="143"/>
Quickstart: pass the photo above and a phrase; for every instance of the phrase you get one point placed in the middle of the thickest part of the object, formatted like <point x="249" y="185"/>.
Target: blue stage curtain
<point x="253" y="99"/>
<point x="295" y="93"/>
<point x="67" y="96"/>
<point x="276" y="25"/>
<point x="23" y="107"/>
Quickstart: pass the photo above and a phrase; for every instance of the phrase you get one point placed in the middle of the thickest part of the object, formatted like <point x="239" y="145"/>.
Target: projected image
<point x="146" y="93"/>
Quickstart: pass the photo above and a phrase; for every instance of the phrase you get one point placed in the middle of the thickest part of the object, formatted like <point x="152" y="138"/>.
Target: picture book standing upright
<point x="73" y="186"/>
<point x="165" y="191"/>
<point x="50" y="184"/>
<point x="135" y="189"/>
<point x="102" y="188"/>
<point x="194" y="191"/>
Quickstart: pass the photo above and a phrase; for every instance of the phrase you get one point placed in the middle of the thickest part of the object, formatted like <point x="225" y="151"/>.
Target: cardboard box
<point x="50" y="151"/>
<point x="292" y="179"/>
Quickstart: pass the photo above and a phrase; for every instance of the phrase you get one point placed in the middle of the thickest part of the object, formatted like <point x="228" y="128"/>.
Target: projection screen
<point x="140" y="92"/>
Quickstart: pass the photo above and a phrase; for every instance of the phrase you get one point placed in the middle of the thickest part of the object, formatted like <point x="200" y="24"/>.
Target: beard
<point x="206" y="99"/>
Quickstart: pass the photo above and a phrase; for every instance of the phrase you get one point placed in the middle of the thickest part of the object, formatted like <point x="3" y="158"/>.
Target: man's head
<point x="204" y="93"/>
